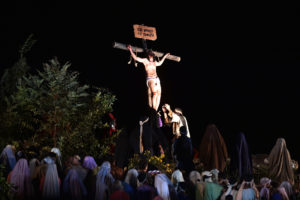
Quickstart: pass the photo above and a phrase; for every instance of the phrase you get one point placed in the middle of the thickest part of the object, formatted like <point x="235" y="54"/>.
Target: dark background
<point x="239" y="65"/>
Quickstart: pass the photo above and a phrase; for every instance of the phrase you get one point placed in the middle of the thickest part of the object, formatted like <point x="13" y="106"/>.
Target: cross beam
<point x="140" y="50"/>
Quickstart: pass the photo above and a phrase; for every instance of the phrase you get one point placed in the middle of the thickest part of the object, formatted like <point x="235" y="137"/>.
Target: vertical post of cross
<point x="144" y="43"/>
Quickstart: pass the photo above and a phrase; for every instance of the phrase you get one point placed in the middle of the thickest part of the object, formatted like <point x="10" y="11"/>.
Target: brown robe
<point x="213" y="151"/>
<point x="280" y="162"/>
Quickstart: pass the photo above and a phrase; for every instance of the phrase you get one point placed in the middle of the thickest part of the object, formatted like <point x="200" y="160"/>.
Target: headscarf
<point x="131" y="178"/>
<point x="33" y="163"/>
<point x="8" y="154"/>
<point x="58" y="154"/>
<point x="104" y="181"/>
<point x="51" y="189"/>
<point x="283" y="193"/>
<point x="89" y="162"/>
<point x="56" y="151"/>
<point x="176" y="177"/>
<point x="288" y="188"/>
<point x="20" y="178"/>
<point x="73" y="187"/>
<point x="195" y="177"/>
<point x="264" y="181"/>
<point x="215" y="175"/>
<point x="48" y="160"/>
<point x="264" y="192"/>
<point x="213" y="150"/>
<point x="161" y="183"/>
<point x="280" y="163"/>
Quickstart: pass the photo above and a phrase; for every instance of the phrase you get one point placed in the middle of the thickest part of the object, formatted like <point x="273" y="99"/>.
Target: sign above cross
<point x="145" y="33"/>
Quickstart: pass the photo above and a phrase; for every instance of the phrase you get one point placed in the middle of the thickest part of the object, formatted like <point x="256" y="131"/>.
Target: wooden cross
<point x="145" y="33"/>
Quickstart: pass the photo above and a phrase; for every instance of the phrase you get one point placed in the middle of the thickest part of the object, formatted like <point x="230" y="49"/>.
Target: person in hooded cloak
<point x="280" y="162"/>
<point x="213" y="150"/>
<point x="162" y="183"/>
<point x="90" y="164"/>
<point x="196" y="178"/>
<point x="183" y="152"/>
<point x="241" y="161"/>
<point x="73" y="187"/>
<point x="131" y="182"/>
<point x="104" y="182"/>
<point x="19" y="178"/>
<point x="8" y="159"/>
<point x="51" y="184"/>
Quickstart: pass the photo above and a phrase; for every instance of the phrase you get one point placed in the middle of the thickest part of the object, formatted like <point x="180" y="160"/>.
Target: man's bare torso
<point x="150" y="68"/>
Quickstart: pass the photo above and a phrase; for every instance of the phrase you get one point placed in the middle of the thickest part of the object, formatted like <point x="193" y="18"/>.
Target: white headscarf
<point x="177" y="177"/>
<point x="56" y="151"/>
<point x="208" y="174"/>
<point x="161" y="182"/>
<point x="132" y="173"/>
<point x="51" y="188"/>
<point x="195" y="177"/>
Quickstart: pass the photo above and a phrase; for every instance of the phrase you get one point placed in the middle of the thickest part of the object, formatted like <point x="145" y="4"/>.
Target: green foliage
<point x="4" y="186"/>
<point x="9" y="126"/>
<point x="12" y="75"/>
<point x="26" y="47"/>
<point x="53" y="104"/>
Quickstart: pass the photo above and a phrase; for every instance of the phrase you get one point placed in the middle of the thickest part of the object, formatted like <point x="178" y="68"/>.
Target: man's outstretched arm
<point x="134" y="56"/>
<point x="162" y="60"/>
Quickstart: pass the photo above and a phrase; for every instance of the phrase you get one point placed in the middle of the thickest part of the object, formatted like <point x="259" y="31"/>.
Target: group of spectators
<point x="223" y="175"/>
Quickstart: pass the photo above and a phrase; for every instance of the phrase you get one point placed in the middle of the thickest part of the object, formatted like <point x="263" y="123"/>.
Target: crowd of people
<point x="81" y="177"/>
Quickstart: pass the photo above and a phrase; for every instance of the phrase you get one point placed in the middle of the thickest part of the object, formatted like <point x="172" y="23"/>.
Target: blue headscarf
<point x="73" y="187"/>
<point x="8" y="153"/>
<point x="104" y="177"/>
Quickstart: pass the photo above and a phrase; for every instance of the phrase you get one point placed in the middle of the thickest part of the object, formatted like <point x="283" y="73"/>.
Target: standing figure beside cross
<point x="152" y="80"/>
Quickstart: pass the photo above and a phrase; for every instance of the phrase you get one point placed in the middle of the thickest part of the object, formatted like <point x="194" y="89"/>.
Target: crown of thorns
<point x="149" y="52"/>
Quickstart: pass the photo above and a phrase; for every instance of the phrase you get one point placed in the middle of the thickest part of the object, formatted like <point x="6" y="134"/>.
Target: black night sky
<point x="239" y="65"/>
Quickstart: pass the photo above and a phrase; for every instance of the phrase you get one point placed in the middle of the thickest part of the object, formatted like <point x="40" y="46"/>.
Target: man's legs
<point x="156" y="93"/>
<point x="150" y="97"/>
<point x="157" y="100"/>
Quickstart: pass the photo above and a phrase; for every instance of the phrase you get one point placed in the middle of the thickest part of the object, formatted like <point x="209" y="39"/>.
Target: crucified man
<point x="152" y="80"/>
